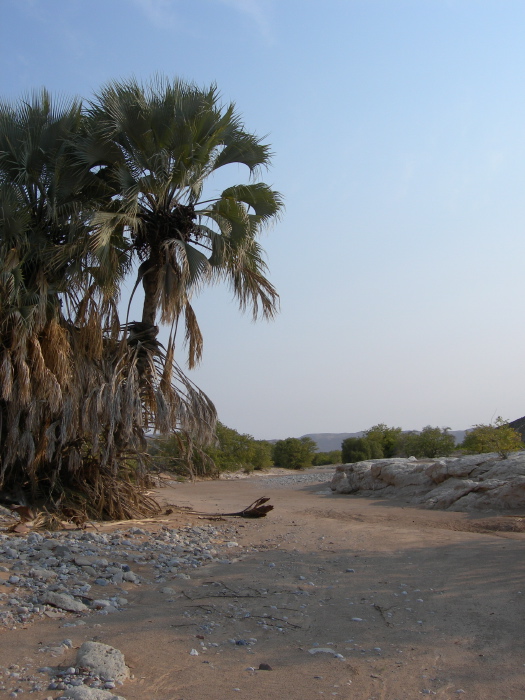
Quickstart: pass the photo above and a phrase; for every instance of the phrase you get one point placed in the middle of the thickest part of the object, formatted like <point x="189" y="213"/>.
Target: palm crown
<point x="156" y="147"/>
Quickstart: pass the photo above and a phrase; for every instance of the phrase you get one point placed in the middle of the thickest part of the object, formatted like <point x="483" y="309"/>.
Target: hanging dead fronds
<point x="74" y="427"/>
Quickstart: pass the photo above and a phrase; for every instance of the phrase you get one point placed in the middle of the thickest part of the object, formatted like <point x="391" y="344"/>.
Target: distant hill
<point x="519" y="425"/>
<point x="326" y="442"/>
<point x="459" y="435"/>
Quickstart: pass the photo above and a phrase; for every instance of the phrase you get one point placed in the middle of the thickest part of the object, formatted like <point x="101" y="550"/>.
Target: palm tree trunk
<point x="150" y="283"/>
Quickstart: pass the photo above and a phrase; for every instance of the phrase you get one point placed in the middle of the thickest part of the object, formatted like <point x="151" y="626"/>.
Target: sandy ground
<point x="434" y="605"/>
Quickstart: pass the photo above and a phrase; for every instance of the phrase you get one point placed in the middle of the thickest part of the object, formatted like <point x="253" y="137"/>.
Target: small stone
<point x="350" y="571"/>
<point x="194" y="652"/>
<point x="322" y="650"/>
<point x="357" y="619"/>
<point x="64" y="602"/>
<point x="130" y="577"/>
<point x="265" y="667"/>
<point x="271" y="565"/>
<point x="43" y="574"/>
<point x="62" y="551"/>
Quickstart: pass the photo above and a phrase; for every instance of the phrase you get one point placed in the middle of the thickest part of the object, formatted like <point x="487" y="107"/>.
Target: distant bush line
<point x="234" y="451"/>
<point x="382" y="441"/>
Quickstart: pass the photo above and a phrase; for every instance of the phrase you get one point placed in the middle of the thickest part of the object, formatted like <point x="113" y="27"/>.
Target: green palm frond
<point x="265" y="202"/>
<point x="247" y="150"/>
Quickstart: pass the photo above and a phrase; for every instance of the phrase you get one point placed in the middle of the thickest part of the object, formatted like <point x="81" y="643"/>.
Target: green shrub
<point x="294" y="453"/>
<point x="430" y="442"/>
<point x="231" y="451"/>
<point x="359" y="449"/>
<point x="386" y="437"/>
<point x="321" y="458"/>
<point x="497" y="437"/>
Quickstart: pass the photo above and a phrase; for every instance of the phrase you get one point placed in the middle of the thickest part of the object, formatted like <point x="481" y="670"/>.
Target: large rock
<point x="461" y="467"/>
<point x="395" y="473"/>
<point x="350" y="478"/>
<point x="474" y="482"/>
<point x="103" y="660"/>
<point x="448" y="493"/>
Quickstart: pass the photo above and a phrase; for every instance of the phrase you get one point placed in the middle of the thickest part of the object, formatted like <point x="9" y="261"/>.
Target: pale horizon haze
<point x="398" y="133"/>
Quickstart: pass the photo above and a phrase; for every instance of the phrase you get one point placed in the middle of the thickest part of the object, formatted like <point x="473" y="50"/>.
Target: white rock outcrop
<point x="473" y="482"/>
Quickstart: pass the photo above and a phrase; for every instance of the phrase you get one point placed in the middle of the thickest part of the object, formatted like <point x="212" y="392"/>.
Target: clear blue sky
<point x="398" y="128"/>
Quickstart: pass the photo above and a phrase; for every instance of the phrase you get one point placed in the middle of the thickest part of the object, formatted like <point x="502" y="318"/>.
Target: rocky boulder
<point x="473" y="482"/>
<point x="103" y="660"/>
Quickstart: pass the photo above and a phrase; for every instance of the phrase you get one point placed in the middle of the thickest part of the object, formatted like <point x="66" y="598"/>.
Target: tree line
<point x="230" y="451"/>
<point x="234" y="451"/>
<point x="381" y="441"/>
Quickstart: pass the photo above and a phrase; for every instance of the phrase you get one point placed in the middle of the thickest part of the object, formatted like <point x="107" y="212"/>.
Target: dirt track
<point x="439" y="600"/>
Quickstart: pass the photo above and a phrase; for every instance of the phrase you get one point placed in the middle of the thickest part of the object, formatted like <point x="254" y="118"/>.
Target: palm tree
<point x="72" y="413"/>
<point x="83" y="195"/>
<point x="158" y="146"/>
<point x="44" y="206"/>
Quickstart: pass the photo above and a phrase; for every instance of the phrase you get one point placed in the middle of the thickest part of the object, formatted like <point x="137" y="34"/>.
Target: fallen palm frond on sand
<point x="257" y="509"/>
<point x="32" y="519"/>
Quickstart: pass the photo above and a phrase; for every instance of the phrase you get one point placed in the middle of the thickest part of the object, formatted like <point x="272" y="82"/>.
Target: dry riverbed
<point x="328" y="596"/>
